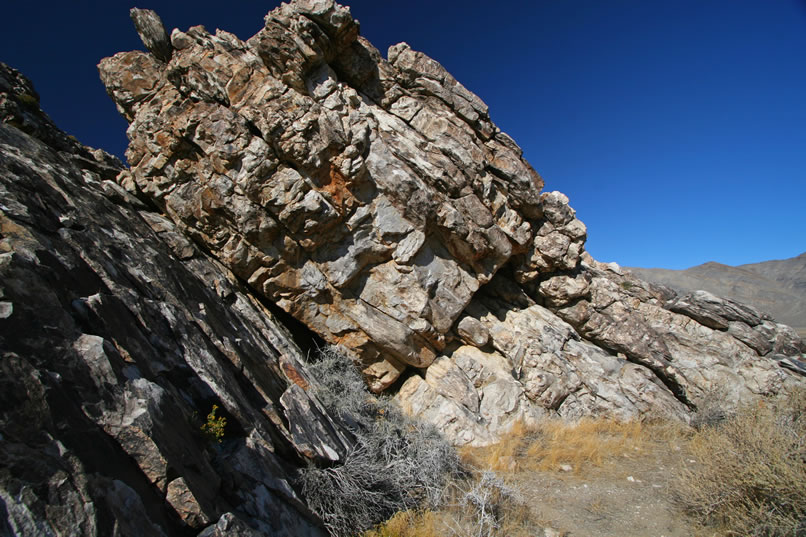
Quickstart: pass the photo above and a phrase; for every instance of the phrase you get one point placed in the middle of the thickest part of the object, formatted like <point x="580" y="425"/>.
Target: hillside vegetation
<point x="739" y="474"/>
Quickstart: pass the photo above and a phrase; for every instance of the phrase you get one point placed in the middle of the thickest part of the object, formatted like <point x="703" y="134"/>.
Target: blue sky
<point x="677" y="128"/>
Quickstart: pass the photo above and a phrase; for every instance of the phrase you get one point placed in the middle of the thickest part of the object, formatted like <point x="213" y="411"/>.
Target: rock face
<point x="371" y="199"/>
<point x="117" y="334"/>
<point x="374" y="200"/>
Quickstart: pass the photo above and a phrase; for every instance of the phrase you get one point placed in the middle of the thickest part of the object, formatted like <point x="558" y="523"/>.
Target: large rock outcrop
<point x="374" y="200"/>
<point x="117" y="335"/>
<point x="325" y="176"/>
<point x="371" y="199"/>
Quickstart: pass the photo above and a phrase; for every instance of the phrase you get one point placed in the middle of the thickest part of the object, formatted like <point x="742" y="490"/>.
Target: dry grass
<point x="749" y="474"/>
<point x="555" y="445"/>
<point x="410" y="524"/>
<point x="484" y="504"/>
<point x="478" y="506"/>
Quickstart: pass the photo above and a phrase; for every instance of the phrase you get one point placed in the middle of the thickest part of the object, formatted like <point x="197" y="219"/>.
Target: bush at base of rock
<point x="397" y="463"/>
<point x="748" y="471"/>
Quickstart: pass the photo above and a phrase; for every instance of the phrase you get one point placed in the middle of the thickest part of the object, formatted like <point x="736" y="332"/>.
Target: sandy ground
<point x="627" y="497"/>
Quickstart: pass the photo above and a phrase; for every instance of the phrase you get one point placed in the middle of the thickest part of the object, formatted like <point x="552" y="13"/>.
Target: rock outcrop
<point x="371" y="199"/>
<point x="375" y="201"/>
<point x="117" y="335"/>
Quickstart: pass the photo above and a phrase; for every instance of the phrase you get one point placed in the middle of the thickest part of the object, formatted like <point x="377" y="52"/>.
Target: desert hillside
<point x="777" y="287"/>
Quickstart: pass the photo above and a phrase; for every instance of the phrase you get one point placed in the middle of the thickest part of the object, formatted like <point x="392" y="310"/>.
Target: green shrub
<point x="213" y="428"/>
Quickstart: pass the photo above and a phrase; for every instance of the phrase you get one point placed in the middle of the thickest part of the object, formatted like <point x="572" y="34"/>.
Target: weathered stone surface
<point x="117" y="336"/>
<point x="457" y="422"/>
<point x="623" y="314"/>
<point x="185" y="504"/>
<point x="473" y="332"/>
<point x="375" y="201"/>
<point x="269" y="154"/>
<point x="151" y="31"/>
<point x="230" y="526"/>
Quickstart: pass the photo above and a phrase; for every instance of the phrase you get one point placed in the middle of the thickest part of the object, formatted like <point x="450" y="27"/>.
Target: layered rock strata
<point x="117" y="335"/>
<point x="375" y="201"/>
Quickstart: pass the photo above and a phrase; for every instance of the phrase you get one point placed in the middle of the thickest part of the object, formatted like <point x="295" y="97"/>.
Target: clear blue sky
<point x="676" y="127"/>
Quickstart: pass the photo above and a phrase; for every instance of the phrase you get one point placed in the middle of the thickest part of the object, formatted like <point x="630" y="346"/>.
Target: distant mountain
<point x="776" y="287"/>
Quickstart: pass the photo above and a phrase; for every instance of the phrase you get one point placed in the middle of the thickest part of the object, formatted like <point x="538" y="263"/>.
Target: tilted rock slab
<point x="375" y="201"/>
<point x="370" y="199"/>
<point x="117" y="335"/>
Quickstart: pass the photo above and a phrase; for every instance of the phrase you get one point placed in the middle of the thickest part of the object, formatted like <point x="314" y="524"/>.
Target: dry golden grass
<point x="749" y="474"/>
<point x="586" y="445"/>
<point x="481" y="505"/>
<point x="410" y="524"/>
<point x="554" y="444"/>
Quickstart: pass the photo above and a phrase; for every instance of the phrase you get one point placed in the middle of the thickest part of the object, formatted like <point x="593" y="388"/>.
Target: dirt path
<point x="626" y="497"/>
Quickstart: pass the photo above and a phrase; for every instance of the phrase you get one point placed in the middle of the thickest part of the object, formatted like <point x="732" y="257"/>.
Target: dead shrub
<point x="396" y="464"/>
<point x="748" y="477"/>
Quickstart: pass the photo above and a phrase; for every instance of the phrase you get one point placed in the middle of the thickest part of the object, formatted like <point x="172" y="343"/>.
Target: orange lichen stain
<point x="210" y="200"/>
<point x="165" y="140"/>
<point x="336" y="184"/>
<point x="294" y="375"/>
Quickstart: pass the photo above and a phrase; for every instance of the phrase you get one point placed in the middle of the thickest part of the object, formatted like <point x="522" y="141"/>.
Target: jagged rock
<point x="776" y="286"/>
<point x="323" y="204"/>
<point x="473" y="332"/>
<point x="116" y="336"/>
<point x="376" y="202"/>
<point x="230" y="526"/>
<point x="185" y="504"/>
<point x="151" y="31"/>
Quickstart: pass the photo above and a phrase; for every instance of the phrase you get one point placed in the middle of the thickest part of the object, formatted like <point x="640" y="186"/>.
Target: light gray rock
<point x="451" y="381"/>
<point x="473" y="332"/>
<point x="454" y="420"/>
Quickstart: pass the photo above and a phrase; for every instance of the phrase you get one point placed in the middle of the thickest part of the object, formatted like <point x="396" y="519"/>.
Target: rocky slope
<point x="371" y="199"/>
<point x="117" y="335"/>
<point x="777" y="287"/>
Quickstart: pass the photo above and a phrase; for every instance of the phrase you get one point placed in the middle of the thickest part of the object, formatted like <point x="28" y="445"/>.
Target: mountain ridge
<point x="776" y="286"/>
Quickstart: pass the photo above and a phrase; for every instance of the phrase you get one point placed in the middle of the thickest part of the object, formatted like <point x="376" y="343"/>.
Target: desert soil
<point x="629" y="496"/>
